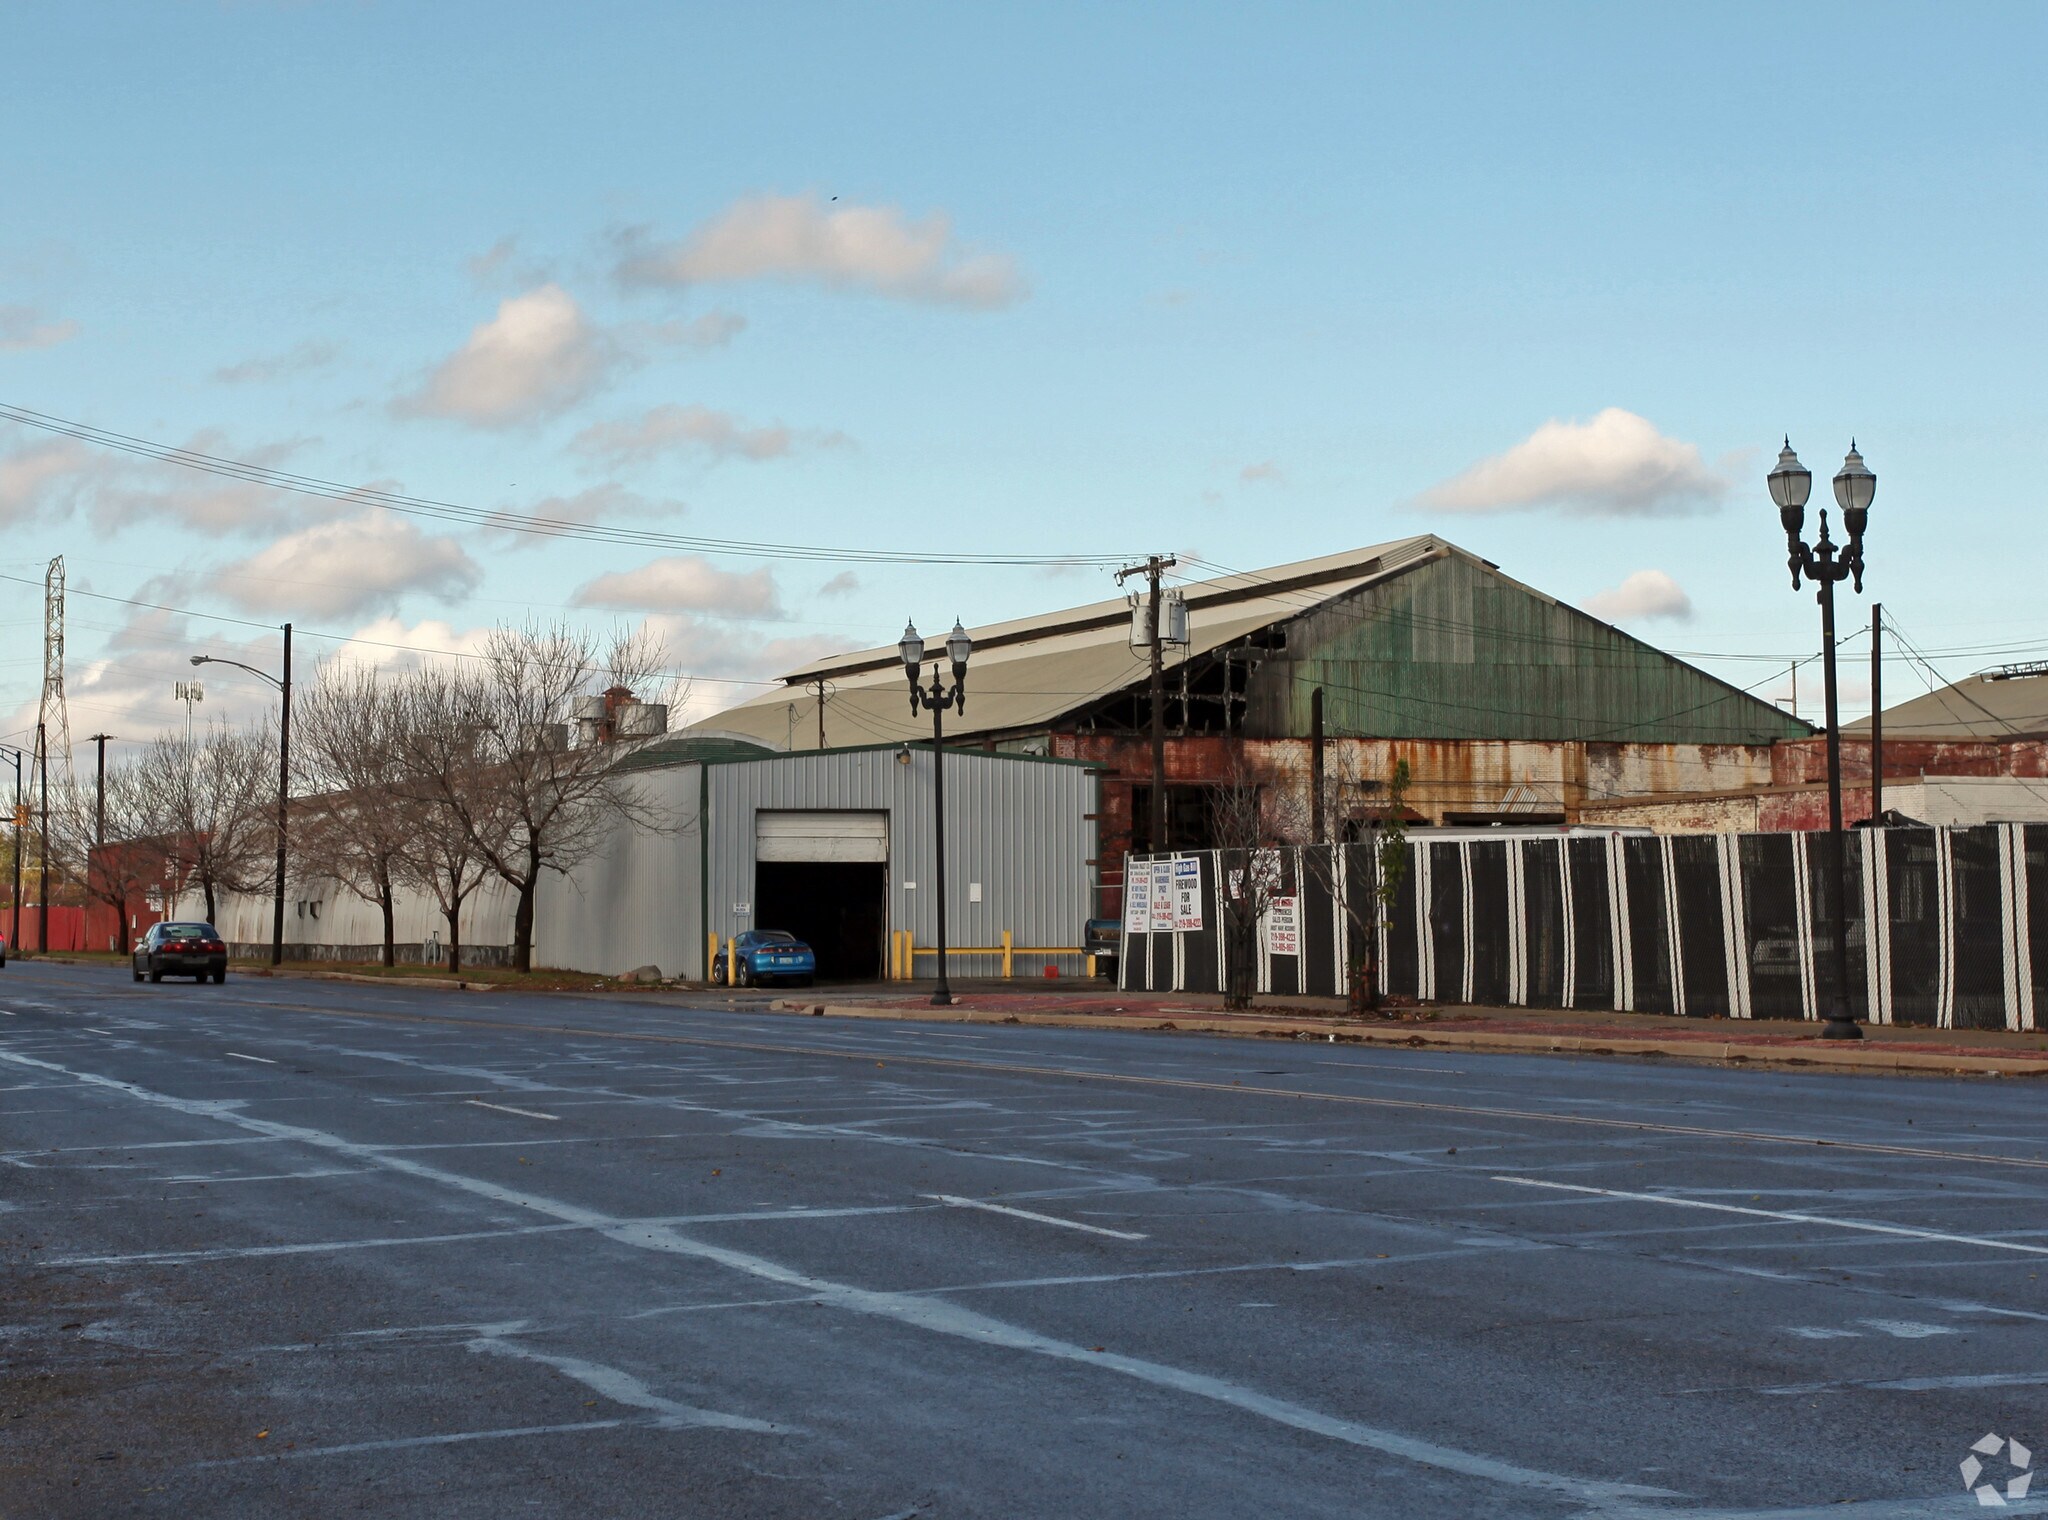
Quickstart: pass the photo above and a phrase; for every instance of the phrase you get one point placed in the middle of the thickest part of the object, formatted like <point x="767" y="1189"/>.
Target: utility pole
<point x="284" y="792"/>
<point x="1315" y="765"/>
<point x="20" y="820"/>
<point x="43" y="842"/>
<point x="99" y="827"/>
<point x="1876" y="715"/>
<point x="820" y="684"/>
<point x="99" y="789"/>
<point x="1154" y="567"/>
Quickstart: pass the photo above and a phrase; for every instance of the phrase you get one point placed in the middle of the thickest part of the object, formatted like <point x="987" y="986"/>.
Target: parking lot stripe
<point x="997" y="1208"/>
<point x="524" y="1113"/>
<point x="1989" y="1242"/>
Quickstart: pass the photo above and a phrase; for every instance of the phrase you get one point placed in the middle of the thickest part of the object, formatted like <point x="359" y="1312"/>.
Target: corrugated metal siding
<point x="1453" y="650"/>
<point x="634" y="904"/>
<point x="1017" y="827"/>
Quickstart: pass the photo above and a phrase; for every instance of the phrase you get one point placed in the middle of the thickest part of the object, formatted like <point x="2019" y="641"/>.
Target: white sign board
<point x="1137" y="899"/>
<point x="1283" y="926"/>
<point x="1187" y="895"/>
<point x="1162" y="897"/>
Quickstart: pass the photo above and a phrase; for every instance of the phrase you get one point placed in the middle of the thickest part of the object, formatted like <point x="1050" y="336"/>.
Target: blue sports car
<point x="766" y="955"/>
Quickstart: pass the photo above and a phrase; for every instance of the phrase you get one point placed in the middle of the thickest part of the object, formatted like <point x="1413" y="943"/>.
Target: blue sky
<point x="1257" y="283"/>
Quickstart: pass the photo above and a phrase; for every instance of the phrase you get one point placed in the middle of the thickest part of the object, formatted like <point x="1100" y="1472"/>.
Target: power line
<point x="511" y="522"/>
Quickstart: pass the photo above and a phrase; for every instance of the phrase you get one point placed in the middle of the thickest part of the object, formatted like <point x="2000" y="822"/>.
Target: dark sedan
<point x="181" y="949"/>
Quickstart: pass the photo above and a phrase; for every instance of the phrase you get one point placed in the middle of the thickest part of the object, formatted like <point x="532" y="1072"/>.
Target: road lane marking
<point x="402" y="1443"/>
<point x="240" y="1057"/>
<point x="933" y="1316"/>
<point x="524" y="1113"/>
<point x="1867" y="1226"/>
<point x="1066" y="1224"/>
<point x="1130" y="1079"/>
<point x="621" y="1387"/>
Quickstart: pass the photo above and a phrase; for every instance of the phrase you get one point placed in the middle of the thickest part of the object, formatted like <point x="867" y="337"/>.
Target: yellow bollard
<point x="732" y="962"/>
<point x="710" y="954"/>
<point x="1009" y="958"/>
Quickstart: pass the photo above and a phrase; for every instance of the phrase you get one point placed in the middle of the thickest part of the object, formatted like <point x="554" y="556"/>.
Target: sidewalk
<point x="1886" y="1048"/>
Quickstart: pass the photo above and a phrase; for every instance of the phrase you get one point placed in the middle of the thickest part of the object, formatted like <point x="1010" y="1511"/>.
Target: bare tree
<point x="213" y="807"/>
<point x="130" y="861"/>
<point x="1362" y="870"/>
<point x="1251" y="828"/>
<point x="491" y="747"/>
<point x="356" y="822"/>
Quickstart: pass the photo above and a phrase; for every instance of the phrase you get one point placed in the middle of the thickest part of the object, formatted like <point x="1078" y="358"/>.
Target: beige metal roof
<point x="1976" y="707"/>
<point x="1027" y="672"/>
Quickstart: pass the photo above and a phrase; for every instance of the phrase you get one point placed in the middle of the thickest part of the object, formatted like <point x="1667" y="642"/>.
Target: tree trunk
<point x="522" y="917"/>
<point x="206" y="885"/>
<point x="454" y="917"/>
<point x="1242" y="926"/>
<point x="384" y="896"/>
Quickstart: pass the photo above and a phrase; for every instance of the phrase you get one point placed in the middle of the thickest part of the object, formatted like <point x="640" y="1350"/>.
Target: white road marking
<point x="1867" y="1226"/>
<point x="240" y="1057"/>
<point x="524" y="1113"/>
<point x="95" y="1029"/>
<point x="621" y="1387"/>
<point x="997" y="1208"/>
<point x="401" y="1443"/>
<point x="932" y="1316"/>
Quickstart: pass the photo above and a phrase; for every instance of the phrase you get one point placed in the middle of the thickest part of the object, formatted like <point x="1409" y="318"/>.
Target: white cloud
<point x="388" y="644"/>
<point x="341" y="568"/>
<point x="845" y="583"/>
<point x="1267" y="472"/>
<point x="296" y="360"/>
<point x="723" y="665"/>
<point x="536" y="358"/>
<point x="52" y="480"/>
<point x="484" y="265"/>
<point x="1644" y="595"/>
<point x="685" y="583"/>
<point x="841" y="247"/>
<point x="23" y="327"/>
<point x="714" y="329"/>
<point x="1616" y="465"/>
<point x="127" y="689"/>
<point x="673" y="428"/>
<point x="606" y="503"/>
<point x="29" y="477"/>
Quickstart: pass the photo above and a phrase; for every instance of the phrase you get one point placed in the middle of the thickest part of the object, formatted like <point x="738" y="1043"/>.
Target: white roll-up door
<point x="835" y="836"/>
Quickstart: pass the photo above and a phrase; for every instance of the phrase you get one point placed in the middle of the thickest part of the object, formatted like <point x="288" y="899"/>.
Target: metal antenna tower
<point x="52" y="713"/>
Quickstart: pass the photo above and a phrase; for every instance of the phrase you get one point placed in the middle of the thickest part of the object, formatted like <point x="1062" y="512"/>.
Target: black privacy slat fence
<point x="1947" y="927"/>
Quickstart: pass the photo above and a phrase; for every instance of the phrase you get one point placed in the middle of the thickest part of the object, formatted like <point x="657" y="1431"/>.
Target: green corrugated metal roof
<point x="1452" y="649"/>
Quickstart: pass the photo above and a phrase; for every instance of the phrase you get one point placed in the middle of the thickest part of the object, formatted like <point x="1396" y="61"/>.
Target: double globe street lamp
<point x="1824" y="563"/>
<point x="936" y="699"/>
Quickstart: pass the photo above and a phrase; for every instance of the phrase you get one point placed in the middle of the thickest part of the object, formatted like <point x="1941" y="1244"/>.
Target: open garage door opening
<point x="825" y="878"/>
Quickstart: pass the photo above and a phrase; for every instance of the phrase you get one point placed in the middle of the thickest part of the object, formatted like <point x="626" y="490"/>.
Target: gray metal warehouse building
<point x="834" y="845"/>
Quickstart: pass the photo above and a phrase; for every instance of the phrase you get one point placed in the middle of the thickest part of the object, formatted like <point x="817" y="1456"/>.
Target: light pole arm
<point x="264" y="675"/>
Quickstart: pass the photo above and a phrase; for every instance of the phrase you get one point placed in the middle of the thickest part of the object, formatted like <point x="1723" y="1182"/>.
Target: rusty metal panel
<point x="1453" y="650"/>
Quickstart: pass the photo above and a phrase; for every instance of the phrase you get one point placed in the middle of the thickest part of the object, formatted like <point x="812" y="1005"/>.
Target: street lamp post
<point x="284" y="775"/>
<point x="1824" y="563"/>
<point x="935" y="699"/>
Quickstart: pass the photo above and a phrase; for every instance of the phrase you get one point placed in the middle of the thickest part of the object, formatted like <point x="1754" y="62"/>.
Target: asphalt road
<point x="291" y="1248"/>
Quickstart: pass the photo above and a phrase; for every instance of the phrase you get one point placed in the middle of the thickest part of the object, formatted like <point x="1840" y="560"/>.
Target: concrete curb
<point x="1814" y="1055"/>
